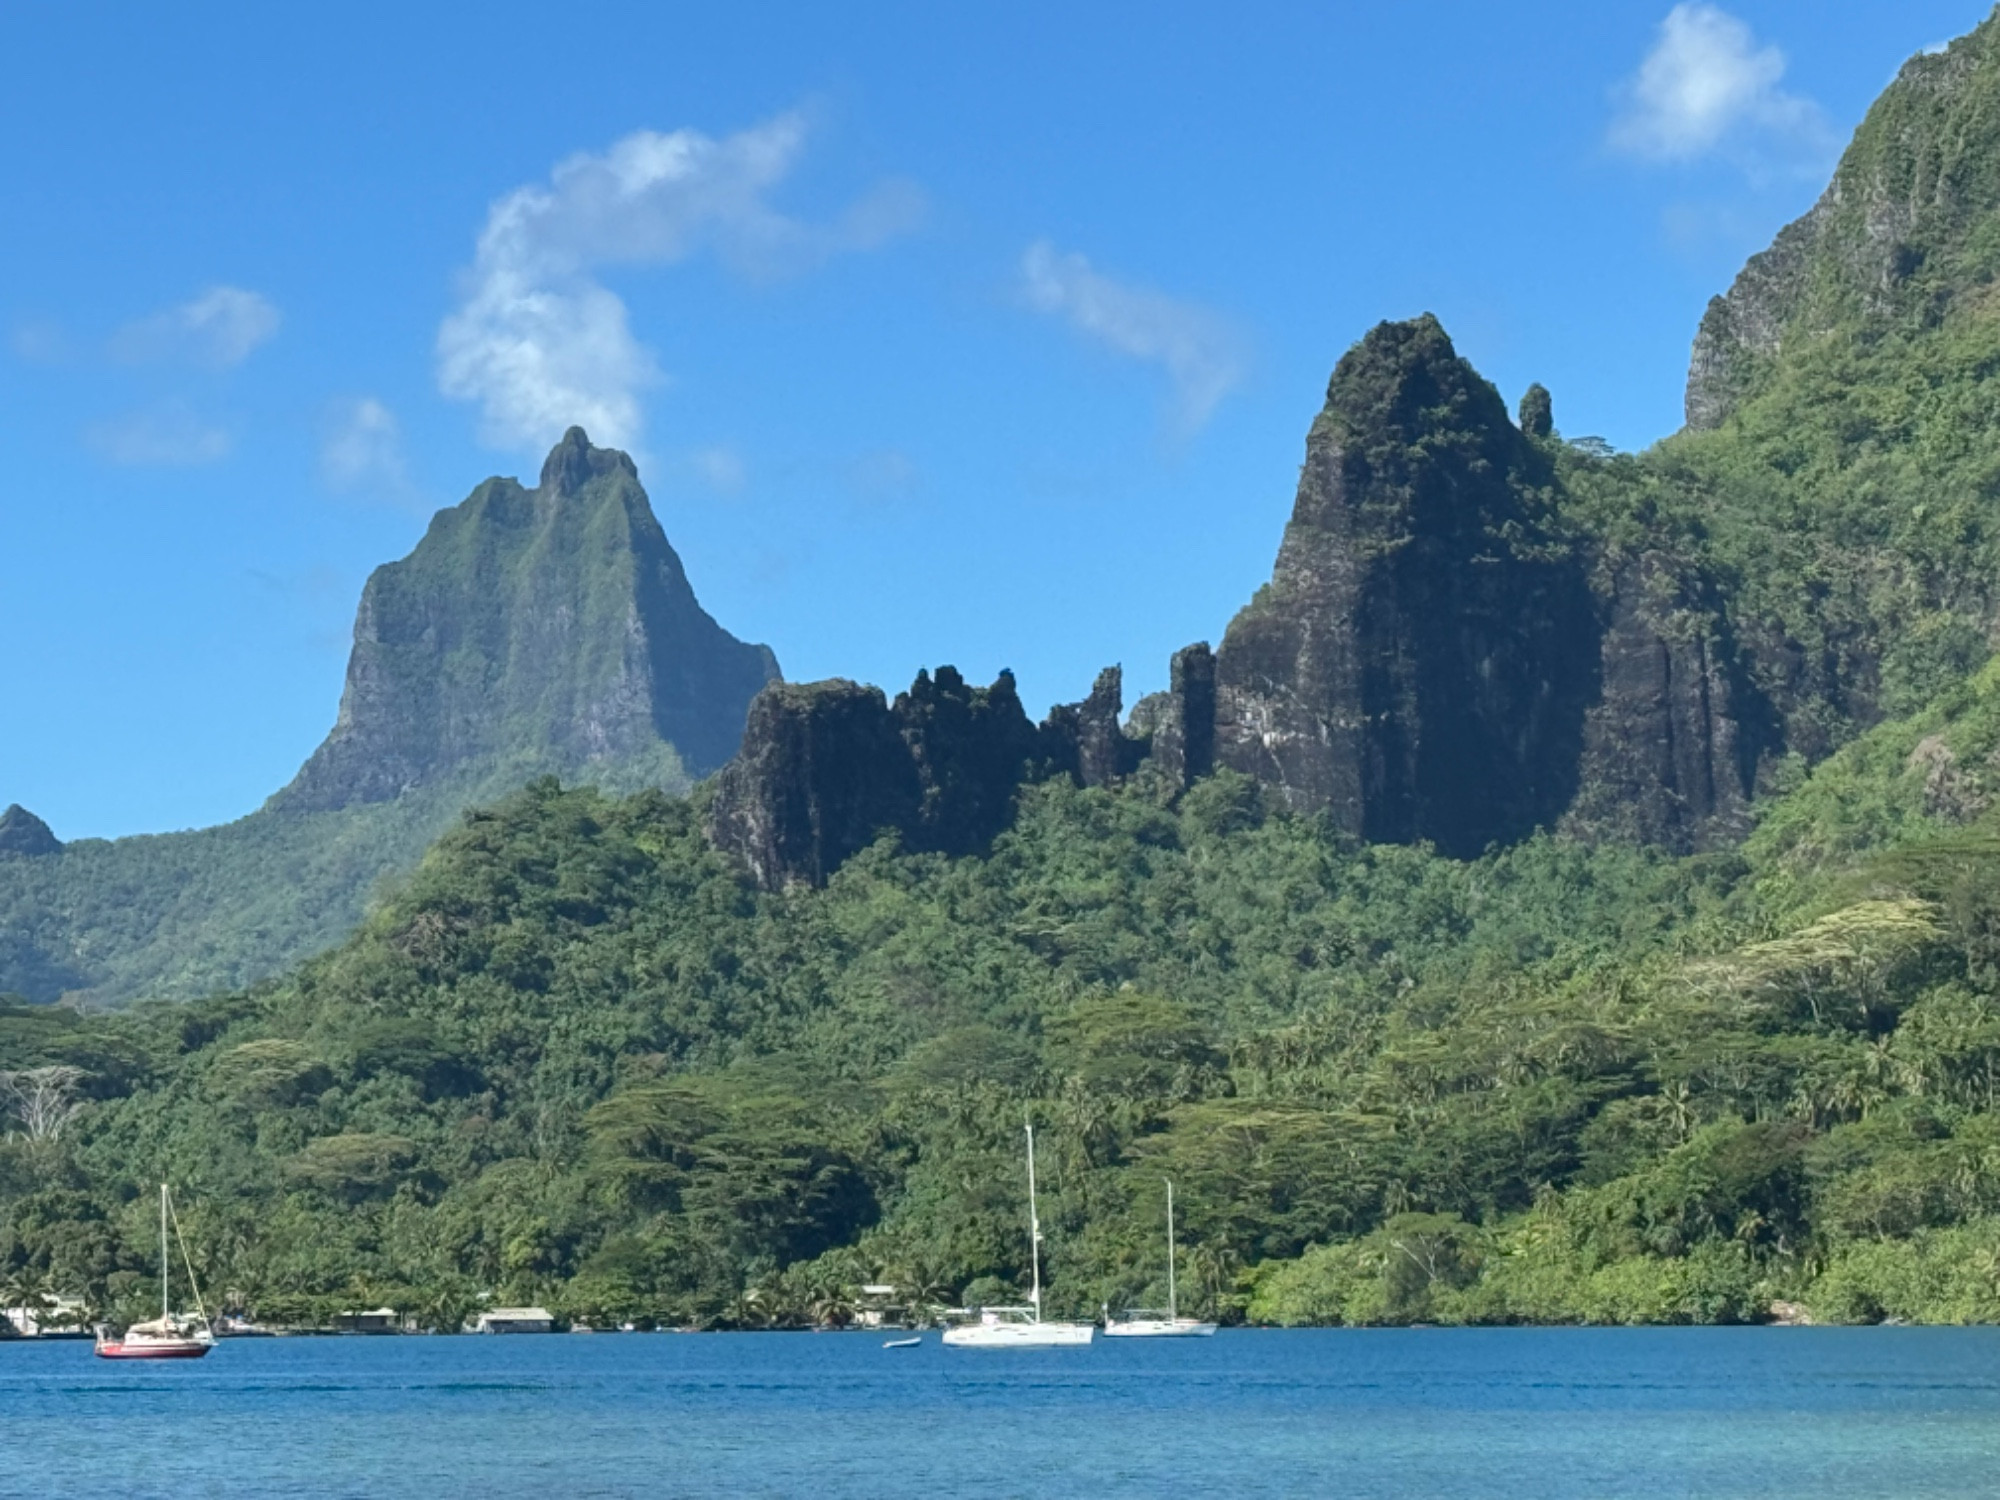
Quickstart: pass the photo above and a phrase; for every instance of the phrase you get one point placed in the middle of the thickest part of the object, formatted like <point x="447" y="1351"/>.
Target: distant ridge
<point x="532" y="632"/>
<point x="21" y="832"/>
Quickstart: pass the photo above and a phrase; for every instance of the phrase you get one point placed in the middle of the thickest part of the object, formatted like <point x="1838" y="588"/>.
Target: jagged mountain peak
<point x="574" y="462"/>
<point x="545" y="636"/>
<point x="21" y="832"/>
<point x="1418" y="665"/>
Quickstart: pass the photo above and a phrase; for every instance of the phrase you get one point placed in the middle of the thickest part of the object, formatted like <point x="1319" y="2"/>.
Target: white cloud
<point x="170" y="436"/>
<point x="218" y="329"/>
<point x="361" y="448"/>
<point x="1708" y="86"/>
<point x="721" y="469"/>
<point x="540" y="343"/>
<point x="1201" y="351"/>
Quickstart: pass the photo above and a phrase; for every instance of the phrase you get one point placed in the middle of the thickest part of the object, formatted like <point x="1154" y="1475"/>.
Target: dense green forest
<point x="579" y="1059"/>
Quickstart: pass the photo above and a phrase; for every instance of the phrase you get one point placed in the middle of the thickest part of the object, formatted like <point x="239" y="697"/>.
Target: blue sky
<point x="984" y="334"/>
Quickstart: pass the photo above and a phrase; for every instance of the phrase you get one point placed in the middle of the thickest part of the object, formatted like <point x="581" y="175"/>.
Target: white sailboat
<point x="170" y="1336"/>
<point x="1147" y="1324"/>
<point x="1020" y="1327"/>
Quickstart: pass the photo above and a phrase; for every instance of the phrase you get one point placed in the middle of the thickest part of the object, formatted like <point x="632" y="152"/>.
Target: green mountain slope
<point x="531" y="632"/>
<point x="581" y="1059"/>
<point x="1845" y="413"/>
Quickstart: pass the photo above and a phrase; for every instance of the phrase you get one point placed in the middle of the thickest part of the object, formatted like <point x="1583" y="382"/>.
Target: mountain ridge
<point x="531" y="632"/>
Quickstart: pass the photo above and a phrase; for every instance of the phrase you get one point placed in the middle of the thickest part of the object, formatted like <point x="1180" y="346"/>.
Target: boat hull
<point x="1159" y="1328"/>
<point x="164" y="1349"/>
<point x="1018" y="1336"/>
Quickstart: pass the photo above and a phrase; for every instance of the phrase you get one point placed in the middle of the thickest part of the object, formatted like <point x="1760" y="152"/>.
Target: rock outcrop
<point x="826" y="768"/>
<point x="1183" y="735"/>
<point x="1421" y="661"/>
<point x="972" y="748"/>
<point x="1087" y="739"/>
<point x="552" y="626"/>
<point x="21" y="832"/>
<point x="1538" y="412"/>
<point x="822" y="771"/>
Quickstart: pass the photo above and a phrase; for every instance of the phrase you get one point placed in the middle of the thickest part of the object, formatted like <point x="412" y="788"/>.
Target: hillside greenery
<point x="579" y="1059"/>
<point x="175" y="916"/>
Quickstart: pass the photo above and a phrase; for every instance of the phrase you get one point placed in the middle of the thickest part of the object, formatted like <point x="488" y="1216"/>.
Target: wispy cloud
<point x="540" y="343"/>
<point x="885" y="475"/>
<point x="167" y="436"/>
<point x="1709" y="87"/>
<point x="42" y="342"/>
<point x="361" y="449"/>
<point x="216" y="330"/>
<point x="721" y="468"/>
<point x="1201" y="352"/>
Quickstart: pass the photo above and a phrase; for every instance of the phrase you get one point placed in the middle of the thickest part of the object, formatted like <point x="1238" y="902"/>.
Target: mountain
<point x="1420" y="662"/>
<point x="21" y="832"/>
<point x="554" y="622"/>
<point x="1471" y="632"/>
<point x="1474" y="629"/>
<point x="531" y="632"/>
<point x="1843" y="403"/>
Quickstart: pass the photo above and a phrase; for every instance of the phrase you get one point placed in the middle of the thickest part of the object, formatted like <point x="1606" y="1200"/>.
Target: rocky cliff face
<point x="827" y="767"/>
<point x="1087" y="740"/>
<point x="21" y="832"/>
<point x="1441" y="655"/>
<point x="822" y="771"/>
<point x="553" y="626"/>
<point x="1420" y="663"/>
<point x="1183" y="731"/>
<point x="1671" y="746"/>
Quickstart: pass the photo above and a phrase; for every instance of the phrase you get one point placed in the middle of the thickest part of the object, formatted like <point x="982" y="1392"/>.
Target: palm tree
<point x="26" y="1291"/>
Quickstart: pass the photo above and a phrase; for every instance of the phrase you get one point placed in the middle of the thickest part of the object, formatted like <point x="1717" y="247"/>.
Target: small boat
<point x="1020" y="1327"/>
<point x="1148" y="1323"/>
<point x="171" y="1335"/>
<point x="909" y="1343"/>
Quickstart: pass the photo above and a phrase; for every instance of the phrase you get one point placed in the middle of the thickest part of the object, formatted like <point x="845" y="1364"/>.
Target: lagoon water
<point x="1551" y="1413"/>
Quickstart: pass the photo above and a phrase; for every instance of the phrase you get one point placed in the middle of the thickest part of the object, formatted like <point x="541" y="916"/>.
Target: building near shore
<point x="374" y="1320"/>
<point x="515" y="1320"/>
<point x="52" y="1315"/>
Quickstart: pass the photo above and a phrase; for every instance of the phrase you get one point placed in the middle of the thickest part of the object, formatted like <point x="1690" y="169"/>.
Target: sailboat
<point x="1145" y="1324"/>
<point x="170" y="1336"/>
<point x="1020" y="1327"/>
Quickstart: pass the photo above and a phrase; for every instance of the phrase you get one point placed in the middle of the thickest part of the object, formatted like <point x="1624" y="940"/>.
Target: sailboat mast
<point x="1034" y="1223"/>
<point x="163" y="1252"/>
<point x="1173" y="1306"/>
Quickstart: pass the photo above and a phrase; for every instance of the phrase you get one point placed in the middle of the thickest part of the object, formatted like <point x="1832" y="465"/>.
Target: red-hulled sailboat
<point x="171" y="1335"/>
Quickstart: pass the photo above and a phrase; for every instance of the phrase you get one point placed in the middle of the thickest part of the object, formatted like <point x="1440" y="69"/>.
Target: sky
<point x="984" y="334"/>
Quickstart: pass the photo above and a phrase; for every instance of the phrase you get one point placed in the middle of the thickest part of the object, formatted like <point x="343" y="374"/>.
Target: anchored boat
<point x="1020" y="1327"/>
<point x="1137" y="1323"/>
<point x="171" y="1335"/>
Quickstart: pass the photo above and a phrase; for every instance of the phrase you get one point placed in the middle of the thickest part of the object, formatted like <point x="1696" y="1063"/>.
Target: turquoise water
<point x="1552" y="1413"/>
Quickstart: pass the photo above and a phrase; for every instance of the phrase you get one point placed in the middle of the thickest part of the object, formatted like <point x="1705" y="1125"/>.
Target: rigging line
<point x="181" y="1239"/>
